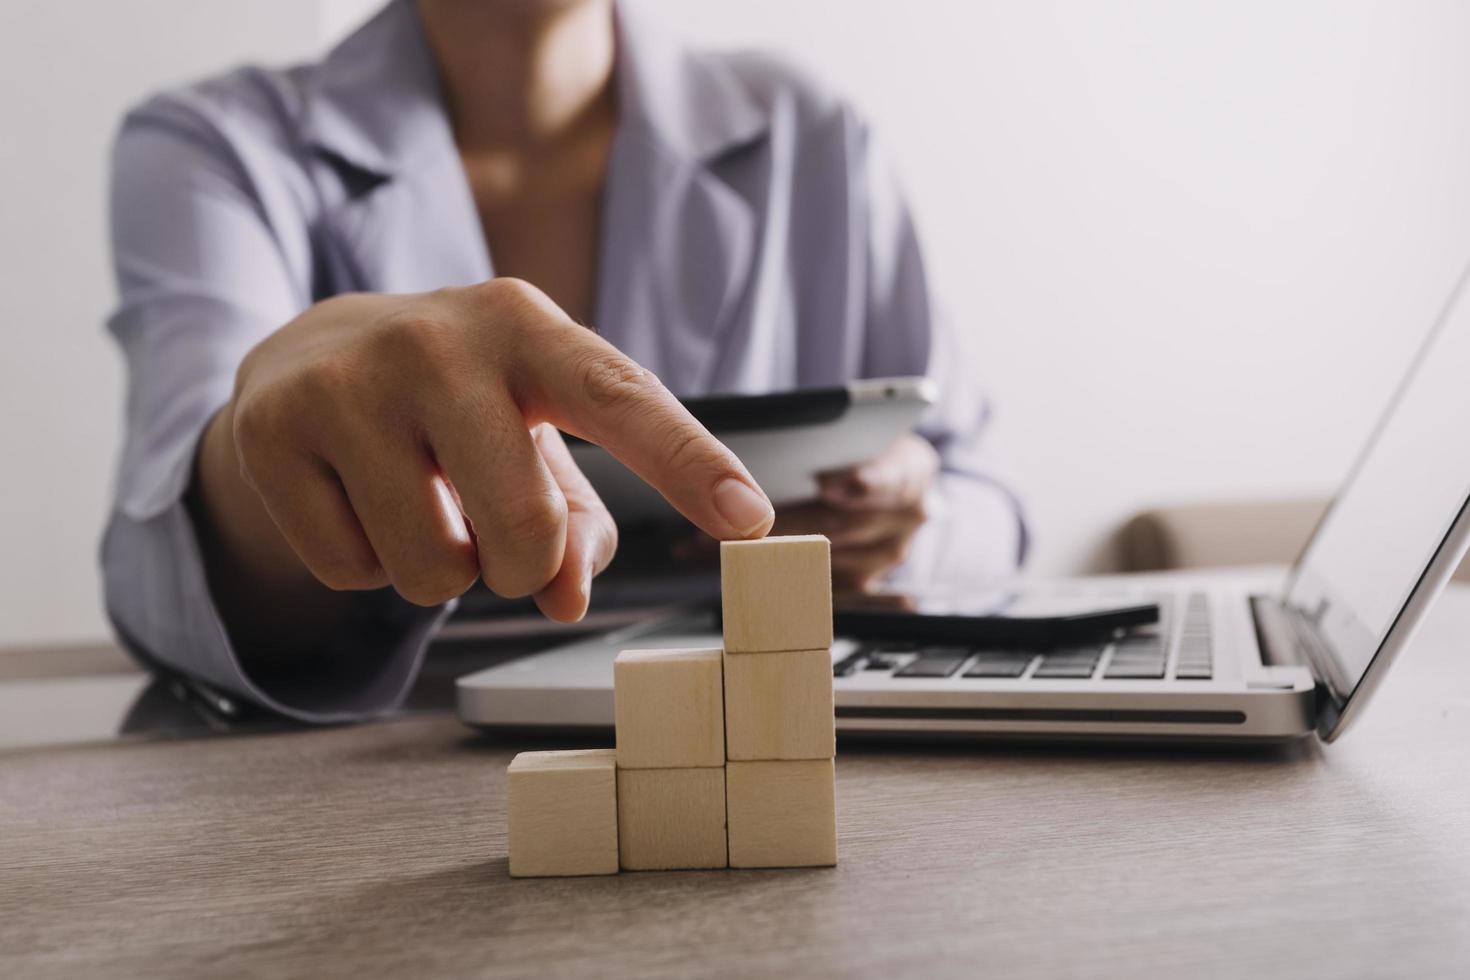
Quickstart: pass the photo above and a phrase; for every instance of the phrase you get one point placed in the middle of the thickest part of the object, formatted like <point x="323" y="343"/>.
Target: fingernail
<point x="586" y="582"/>
<point x="747" y="511"/>
<point x="584" y="596"/>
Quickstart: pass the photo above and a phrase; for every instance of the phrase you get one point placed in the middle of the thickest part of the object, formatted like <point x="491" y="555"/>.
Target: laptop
<point x="1225" y="662"/>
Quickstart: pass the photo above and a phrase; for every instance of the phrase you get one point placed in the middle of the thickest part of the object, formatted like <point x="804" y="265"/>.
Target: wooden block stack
<point x="776" y="596"/>
<point x="724" y="757"/>
<point x="671" y="759"/>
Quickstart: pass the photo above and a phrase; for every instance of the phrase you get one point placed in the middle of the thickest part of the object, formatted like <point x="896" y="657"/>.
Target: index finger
<point x="595" y="392"/>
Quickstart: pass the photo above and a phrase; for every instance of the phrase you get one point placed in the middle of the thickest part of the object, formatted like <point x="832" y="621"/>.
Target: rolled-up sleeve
<point x="977" y="529"/>
<point x="210" y="258"/>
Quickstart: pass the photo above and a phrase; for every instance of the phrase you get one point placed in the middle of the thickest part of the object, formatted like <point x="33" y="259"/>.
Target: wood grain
<point x="381" y="850"/>
<point x="776" y="594"/>
<point x="669" y="710"/>
<point x="671" y="818"/>
<point x="779" y="705"/>
<point x="562" y="813"/>
<point x="782" y="814"/>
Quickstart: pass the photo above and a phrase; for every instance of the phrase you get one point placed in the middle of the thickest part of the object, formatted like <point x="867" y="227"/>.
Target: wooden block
<point x="781" y="814"/>
<point x="776" y="594"/>
<point x="669" y="709"/>
<point x="671" y="818"/>
<point x="779" y="705"/>
<point x="563" y="813"/>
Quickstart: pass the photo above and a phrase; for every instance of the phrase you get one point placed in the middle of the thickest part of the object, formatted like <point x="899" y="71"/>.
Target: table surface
<point x="380" y="849"/>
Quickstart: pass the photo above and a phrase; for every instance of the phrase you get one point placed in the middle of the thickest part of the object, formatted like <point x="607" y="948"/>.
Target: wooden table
<point x="381" y="850"/>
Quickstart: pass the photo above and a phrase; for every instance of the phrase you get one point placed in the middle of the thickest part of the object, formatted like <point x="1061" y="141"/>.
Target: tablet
<point x="997" y="619"/>
<point x="785" y="439"/>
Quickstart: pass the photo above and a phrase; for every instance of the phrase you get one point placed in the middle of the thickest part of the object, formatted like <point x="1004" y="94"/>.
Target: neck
<point x="521" y="74"/>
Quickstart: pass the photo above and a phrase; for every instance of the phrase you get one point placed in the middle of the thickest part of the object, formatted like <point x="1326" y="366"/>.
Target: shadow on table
<point x="178" y="707"/>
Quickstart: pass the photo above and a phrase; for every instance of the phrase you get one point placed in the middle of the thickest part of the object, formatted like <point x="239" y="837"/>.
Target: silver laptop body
<point x="1229" y="660"/>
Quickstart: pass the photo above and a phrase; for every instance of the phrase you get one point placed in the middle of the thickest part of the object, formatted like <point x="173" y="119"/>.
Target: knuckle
<point x="613" y="381"/>
<point x="528" y="553"/>
<point x="508" y="290"/>
<point x="421" y="343"/>
<point x="535" y="522"/>
<point x="326" y="381"/>
<point x="511" y="303"/>
<point x="689" y="448"/>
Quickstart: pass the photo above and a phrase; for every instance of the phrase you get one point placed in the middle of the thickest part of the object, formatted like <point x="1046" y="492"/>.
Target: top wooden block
<point x="776" y="594"/>
<point x="669" y="709"/>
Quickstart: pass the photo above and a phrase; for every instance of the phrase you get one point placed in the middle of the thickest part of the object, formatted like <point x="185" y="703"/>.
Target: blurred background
<point x="1196" y="242"/>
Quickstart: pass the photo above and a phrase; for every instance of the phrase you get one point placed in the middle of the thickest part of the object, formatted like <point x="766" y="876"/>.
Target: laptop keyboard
<point x="1196" y="648"/>
<point x="1134" y="655"/>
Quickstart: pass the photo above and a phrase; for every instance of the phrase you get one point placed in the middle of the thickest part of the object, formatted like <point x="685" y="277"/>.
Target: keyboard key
<point x="935" y="662"/>
<point x="1139" y="657"/>
<point x="1196" y="641"/>
<point x="1091" y="651"/>
<point x="1139" y="653"/>
<point x="886" y="656"/>
<point x="850" y="664"/>
<point x="1139" y="671"/>
<point x="1069" y="663"/>
<point x="1065" y="669"/>
<point x="999" y="664"/>
<point x="1077" y="664"/>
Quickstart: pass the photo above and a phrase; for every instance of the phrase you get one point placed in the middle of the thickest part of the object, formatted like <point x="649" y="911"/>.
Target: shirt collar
<point x="375" y="100"/>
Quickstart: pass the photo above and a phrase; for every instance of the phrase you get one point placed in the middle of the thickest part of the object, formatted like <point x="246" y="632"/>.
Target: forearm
<point x="197" y="579"/>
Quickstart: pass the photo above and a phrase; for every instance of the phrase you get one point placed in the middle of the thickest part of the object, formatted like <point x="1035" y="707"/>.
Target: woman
<point x="352" y="297"/>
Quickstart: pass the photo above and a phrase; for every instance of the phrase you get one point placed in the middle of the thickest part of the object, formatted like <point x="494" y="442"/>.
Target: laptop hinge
<point x="1280" y="645"/>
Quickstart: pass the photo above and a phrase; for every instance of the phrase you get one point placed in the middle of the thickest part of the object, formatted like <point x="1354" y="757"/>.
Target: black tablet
<point x="1029" y="621"/>
<point x="784" y="438"/>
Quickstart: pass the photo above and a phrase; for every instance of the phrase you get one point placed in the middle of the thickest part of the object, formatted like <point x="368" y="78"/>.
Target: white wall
<point x="1198" y="239"/>
<point x="67" y="70"/>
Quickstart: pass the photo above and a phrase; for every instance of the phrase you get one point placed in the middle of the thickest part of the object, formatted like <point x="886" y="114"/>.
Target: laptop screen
<point x="1398" y="505"/>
